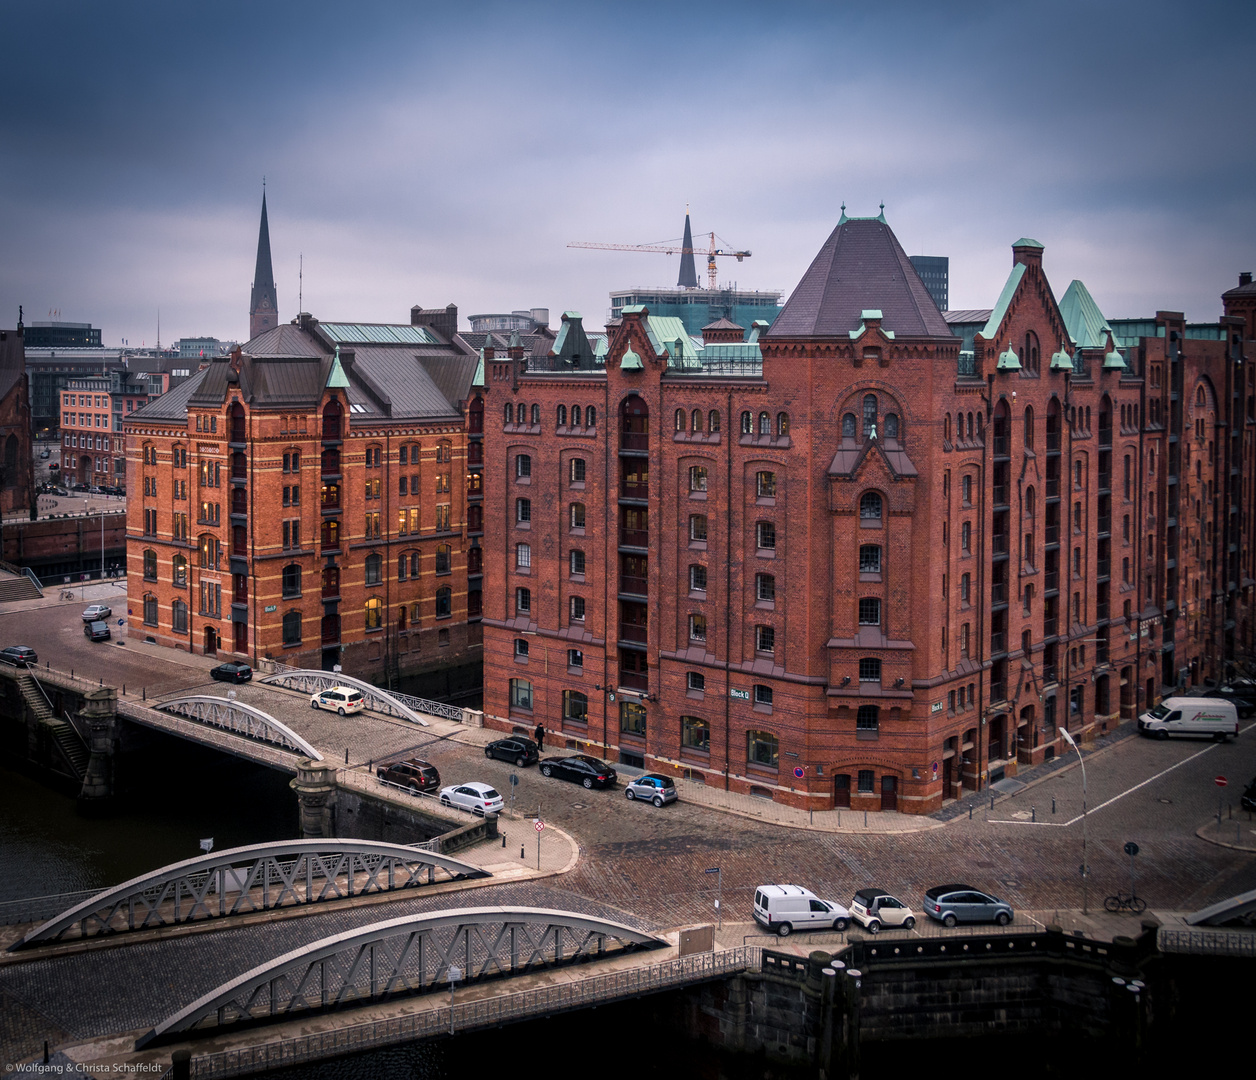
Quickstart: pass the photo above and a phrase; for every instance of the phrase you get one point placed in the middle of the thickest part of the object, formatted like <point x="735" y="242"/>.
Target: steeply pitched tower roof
<point x="263" y="275"/>
<point x="861" y="266"/>
<point x="688" y="274"/>
<point x="264" y="301"/>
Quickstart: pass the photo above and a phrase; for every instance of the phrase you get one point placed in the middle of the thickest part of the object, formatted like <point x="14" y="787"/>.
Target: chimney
<point x="1245" y="277"/>
<point x="490" y="350"/>
<point x="1027" y="251"/>
<point x="347" y="356"/>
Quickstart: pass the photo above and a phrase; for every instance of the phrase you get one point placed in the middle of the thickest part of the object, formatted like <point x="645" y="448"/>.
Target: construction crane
<point x="688" y="278"/>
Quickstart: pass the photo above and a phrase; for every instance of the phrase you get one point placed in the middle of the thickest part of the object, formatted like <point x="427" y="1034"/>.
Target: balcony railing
<point x="1053" y="442"/>
<point x="628" y="490"/>
<point x="1053" y="534"/>
<point x="1050" y="626"/>
<point x="634" y="538"/>
<point x="1105" y="523"/>
<point x="1051" y="581"/>
<point x="998" y="592"/>
<point x="1000" y="494"/>
<point x="630" y="583"/>
<point x="632" y="632"/>
<point x="634" y="440"/>
<point x="1105" y="567"/>
<point x="1053" y="487"/>
<point x="998" y="544"/>
<point x="1001" y="444"/>
<point x="997" y="642"/>
<point x="634" y="680"/>
<point x="1048" y="673"/>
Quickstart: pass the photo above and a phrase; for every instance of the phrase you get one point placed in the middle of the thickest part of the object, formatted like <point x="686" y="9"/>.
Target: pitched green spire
<point x="336" y="378"/>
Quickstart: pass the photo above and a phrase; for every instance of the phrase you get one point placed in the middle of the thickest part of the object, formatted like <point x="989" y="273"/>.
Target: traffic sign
<point x="1131" y="848"/>
<point x="539" y="825"/>
<point x="1220" y="781"/>
<point x="799" y="772"/>
<point x="713" y="870"/>
<point x="514" y="779"/>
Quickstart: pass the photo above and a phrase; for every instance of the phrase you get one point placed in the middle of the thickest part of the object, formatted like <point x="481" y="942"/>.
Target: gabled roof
<point x="668" y="333"/>
<point x="1082" y="318"/>
<point x="999" y="312"/>
<point x="861" y="266"/>
<point x="173" y="404"/>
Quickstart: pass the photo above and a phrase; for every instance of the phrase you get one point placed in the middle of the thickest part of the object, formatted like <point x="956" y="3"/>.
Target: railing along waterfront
<point x="1237" y="943"/>
<point x="482" y="1013"/>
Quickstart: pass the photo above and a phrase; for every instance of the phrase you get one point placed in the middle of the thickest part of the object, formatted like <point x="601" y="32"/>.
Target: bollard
<point x="521" y="854"/>
<point x="865" y="819"/>
<point x="991" y="802"/>
<point x="124" y="689"/>
<point x="346" y="755"/>
<point x="143" y="693"/>
<point x="970" y="811"/>
<point x="1033" y="813"/>
<point x="1053" y="804"/>
<point x="503" y="839"/>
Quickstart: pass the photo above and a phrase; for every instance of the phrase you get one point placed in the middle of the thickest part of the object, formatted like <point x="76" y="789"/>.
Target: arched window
<point x="946" y="428"/>
<point x="1030" y="501"/>
<point x="848" y="426"/>
<point x="444" y="561"/>
<point x="713" y="421"/>
<point x="561" y="416"/>
<point x="402" y="563"/>
<point x="374" y="613"/>
<point x="444" y="602"/>
<point x="575" y="416"/>
<point x="179" y="617"/>
<point x="869" y="414"/>
<point x="765" y="424"/>
<point x="536" y="415"/>
<point x="695" y="421"/>
<point x="523" y="466"/>
<point x="332" y="414"/>
<point x="747" y="423"/>
<point x="150" y="565"/>
<point x="401" y="617"/>
<point x="891" y="425"/>
<point x="680" y="420"/>
<point x="590" y="416"/>
<point x="634" y="424"/>
<point x="782" y="423"/>
<point x="870" y="506"/>
<point x="510" y="413"/>
<point x="1029" y="427"/>
<point x="291" y="580"/>
<point x="292" y="628"/>
<point x="374" y="569"/>
<point x="150" y="609"/>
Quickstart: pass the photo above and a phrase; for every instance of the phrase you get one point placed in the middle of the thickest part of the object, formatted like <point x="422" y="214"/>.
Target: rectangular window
<point x="695" y="734"/>
<point x="869" y="611"/>
<point x="442" y="518"/>
<point x="697" y="628"/>
<point x="762" y="694"/>
<point x="577" y="609"/>
<point x="765" y="485"/>
<point x="523" y="601"/>
<point x="867" y="780"/>
<point x="870" y="669"/>
<point x="698" y="578"/>
<point x="695" y="680"/>
<point x="764" y="639"/>
<point x="575" y="658"/>
<point x="697" y="527"/>
<point x="765" y="587"/>
<point x="632" y="717"/>
<point x="523" y="510"/>
<point x="577" y="470"/>
<point x="697" y="478"/>
<point x="523" y="555"/>
<point x="520" y="694"/>
<point x="765" y="535"/>
<point x="762" y="749"/>
<point x="577" y="515"/>
<point x="869" y="559"/>
<point x="577" y="562"/>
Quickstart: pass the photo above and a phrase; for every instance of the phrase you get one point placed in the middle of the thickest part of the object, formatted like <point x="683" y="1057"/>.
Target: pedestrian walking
<point x="539" y="736"/>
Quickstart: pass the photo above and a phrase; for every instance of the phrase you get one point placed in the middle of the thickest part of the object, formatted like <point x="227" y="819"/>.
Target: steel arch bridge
<point x="260" y="877"/>
<point x="239" y="719"/>
<point x="402" y="706"/>
<point x="408" y="955"/>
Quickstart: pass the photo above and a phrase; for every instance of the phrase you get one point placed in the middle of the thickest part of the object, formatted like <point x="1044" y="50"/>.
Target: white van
<point x="1191" y="716"/>
<point x="782" y="909"/>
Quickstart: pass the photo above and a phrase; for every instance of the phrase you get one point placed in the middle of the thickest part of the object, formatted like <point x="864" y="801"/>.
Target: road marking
<point x="1127" y="791"/>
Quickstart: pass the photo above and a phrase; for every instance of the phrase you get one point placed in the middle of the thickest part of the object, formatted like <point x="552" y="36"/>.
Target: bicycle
<point x="1125" y="902"/>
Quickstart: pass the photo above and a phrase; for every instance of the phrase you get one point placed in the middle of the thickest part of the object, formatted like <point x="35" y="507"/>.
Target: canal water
<point x="172" y="795"/>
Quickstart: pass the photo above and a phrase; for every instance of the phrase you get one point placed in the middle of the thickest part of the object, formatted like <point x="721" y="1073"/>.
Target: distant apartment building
<point x="526" y="322"/>
<point x="93" y="440"/>
<point x="202" y="348"/>
<point x="62" y="335"/>
<point x="935" y="273"/>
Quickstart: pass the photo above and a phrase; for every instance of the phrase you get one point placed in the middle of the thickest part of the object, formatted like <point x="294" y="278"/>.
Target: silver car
<point x="953" y="904"/>
<point x="480" y="799"/>
<point x="652" y="788"/>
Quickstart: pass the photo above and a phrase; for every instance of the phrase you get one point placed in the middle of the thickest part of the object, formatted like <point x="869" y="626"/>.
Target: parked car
<point x="653" y="788"/>
<point x="19" y="655"/>
<point x="782" y="909"/>
<point x="1248" y="799"/>
<point x="44" y="455"/>
<point x="875" y="908"/>
<point x="480" y="799"/>
<point x="96" y="612"/>
<point x="56" y="466"/>
<point x="96" y="631"/>
<point x="413" y="773"/>
<point x="341" y="699"/>
<point x="581" y="769"/>
<point x="231" y="672"/>
<point x="1243" y="697"/>
<point x="952" y="904"/>
<point x="1191" y="716"/>
<point x="515" y="748"/>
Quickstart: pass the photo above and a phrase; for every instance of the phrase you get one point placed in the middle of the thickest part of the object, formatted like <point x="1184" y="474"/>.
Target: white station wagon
<point x="340" y="699"/>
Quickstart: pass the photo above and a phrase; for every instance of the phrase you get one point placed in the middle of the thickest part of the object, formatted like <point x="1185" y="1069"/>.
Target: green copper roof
<point x="631" y="362"/>
<point x="633" y="309"/>
<point x="999" y="312"/>
<point x="1008" y="361"/>
<point x="864" y="316"/>
<point x="478" y="378"/>
<point x="1024" y="241"/>
<point x="668" y="333"/>
<point x="1062" y="360"/>
<point x="880" y="217"/>
<point x="1082" y="318"/>
<point x="1113" y="360"/>
<point x="336" y="378"/>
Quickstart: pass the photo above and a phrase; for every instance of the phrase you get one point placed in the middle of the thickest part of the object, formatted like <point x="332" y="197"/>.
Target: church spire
<point x="688" y="274"/>
<point x="264" y="305"/>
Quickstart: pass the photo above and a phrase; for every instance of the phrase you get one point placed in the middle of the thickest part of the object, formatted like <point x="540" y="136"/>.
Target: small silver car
<point x="953" y="904"/>
<point x="653" y="788"/>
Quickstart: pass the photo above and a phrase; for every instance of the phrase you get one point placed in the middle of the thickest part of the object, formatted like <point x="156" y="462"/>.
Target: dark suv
<point x="413" y="773"/>
<point x="515" y="748"/>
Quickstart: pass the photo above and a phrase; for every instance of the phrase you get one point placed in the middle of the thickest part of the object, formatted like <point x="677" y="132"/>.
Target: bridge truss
<point x="259" y="877"/>
<point x="408" y="955"/>
<point x="402" y="706"/>
<point x="239" y="719"/>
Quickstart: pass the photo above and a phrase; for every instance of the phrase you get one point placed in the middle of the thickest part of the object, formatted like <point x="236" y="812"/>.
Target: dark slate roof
<point x="173" y="404"/>
<point x="285" y="340"/>
<point x="861" y="266"/>
<point x="724" y="323"/>
<point x="1240" y="290"/>
<point x="533" y="344"/>
<point x="967" y="315"/>
<point x="12" y="361"/>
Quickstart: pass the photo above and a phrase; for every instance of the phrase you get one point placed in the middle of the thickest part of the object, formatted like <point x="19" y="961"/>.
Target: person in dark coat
<point x="539" y="736"/>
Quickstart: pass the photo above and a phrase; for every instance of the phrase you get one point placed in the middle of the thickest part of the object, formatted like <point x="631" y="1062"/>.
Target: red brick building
<point x="315" y="499"/>
<point x="93" y="440"/>
<point x="17" y="472"/>
<point x="879" y="557"/>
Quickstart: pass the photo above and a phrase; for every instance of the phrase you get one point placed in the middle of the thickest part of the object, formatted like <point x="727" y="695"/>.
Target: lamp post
<point x="1068" y="738"/>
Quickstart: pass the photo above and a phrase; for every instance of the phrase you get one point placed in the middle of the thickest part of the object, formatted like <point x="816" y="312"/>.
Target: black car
<point x="581" y="769"/>
<point x="19" y="655"/>
<point x="1248" y="799"/>
<point x="96" y="631"/>
<point x="516" y="748"/>
<point x="231" y="672"/>
<point x="1244" y="698"/>
<point x="413" y="773"/>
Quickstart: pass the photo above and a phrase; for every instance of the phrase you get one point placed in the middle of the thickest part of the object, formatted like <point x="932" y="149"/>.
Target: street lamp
<point x="1085" y="869"/>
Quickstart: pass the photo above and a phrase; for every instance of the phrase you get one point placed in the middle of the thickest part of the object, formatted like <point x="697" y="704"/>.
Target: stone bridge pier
<point x="99" y="718"/>
<point x="315" y="785"/>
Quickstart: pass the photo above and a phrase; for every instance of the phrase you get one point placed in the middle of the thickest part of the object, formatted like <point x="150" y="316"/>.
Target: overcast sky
<point x="435" y="153"/>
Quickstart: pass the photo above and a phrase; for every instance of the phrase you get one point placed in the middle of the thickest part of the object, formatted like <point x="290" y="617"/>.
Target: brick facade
<point x="17" y="471"/>
<point x="886" y="557"/>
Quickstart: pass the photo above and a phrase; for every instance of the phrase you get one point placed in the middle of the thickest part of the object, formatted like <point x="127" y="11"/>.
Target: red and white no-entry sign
<point x="539" y="824"/>
<point x="1220" y="781"/>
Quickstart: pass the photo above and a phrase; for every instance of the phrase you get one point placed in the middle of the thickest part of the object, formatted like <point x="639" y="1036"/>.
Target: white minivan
<point x="782" y="909"/>
<point x="1212" y="717"/>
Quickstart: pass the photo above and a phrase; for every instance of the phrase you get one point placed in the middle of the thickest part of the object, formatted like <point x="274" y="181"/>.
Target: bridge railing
<point x="483" y="1013"/>
<point x="33" y="909"/>
<point x="1237" y="943"/>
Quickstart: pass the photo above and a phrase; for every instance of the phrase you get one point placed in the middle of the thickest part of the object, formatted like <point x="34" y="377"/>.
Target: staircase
<point x="62" y="732"/>
<point x="17" y="587"/>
